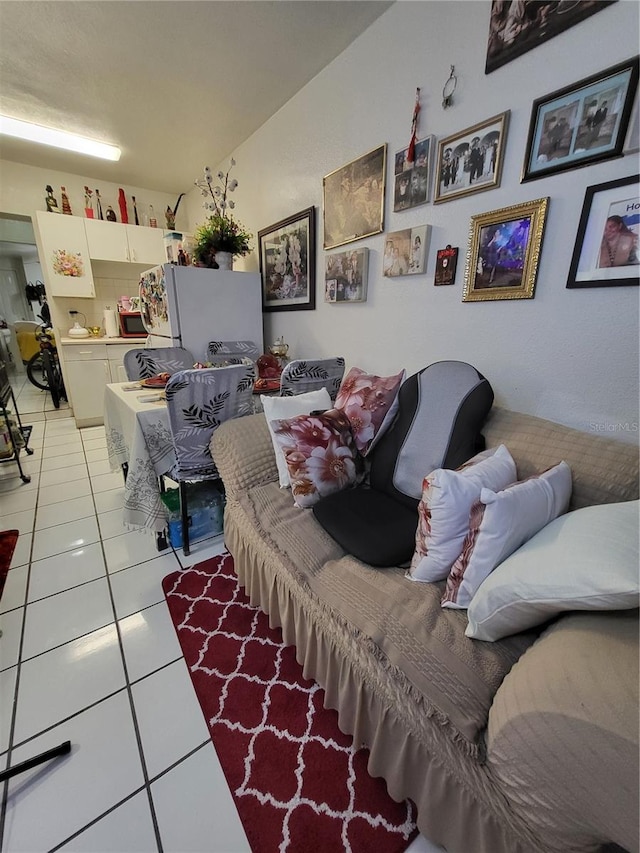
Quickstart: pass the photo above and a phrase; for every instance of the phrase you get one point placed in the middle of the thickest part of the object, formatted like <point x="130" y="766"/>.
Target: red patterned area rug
<point x="297" y="781"/>
<point x="8" y="539"/>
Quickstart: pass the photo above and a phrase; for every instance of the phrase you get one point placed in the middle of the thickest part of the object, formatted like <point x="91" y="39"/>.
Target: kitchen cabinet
<point x="64" y="255"/>
<point x="115" y="241"/>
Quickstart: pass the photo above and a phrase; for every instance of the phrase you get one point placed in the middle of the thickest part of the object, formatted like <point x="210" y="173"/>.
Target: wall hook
<point x="449" y="89"/>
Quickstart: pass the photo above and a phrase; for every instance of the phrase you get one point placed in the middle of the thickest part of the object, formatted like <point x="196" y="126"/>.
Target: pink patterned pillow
<point x="370" y="403"/>
<point x="320" y="453"/>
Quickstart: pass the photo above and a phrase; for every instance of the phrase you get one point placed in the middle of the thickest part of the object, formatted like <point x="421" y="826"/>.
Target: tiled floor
<point x="89" y="654"/>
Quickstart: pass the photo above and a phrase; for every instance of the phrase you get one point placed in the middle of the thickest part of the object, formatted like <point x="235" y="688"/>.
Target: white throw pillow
<point x="443" y="512"/>
<point x="277" y="408"/>
<point x="501" y="522"/>
<point x="585" y="560"/>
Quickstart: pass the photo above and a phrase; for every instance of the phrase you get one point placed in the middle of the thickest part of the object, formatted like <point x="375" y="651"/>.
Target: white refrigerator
<point x="190" y="306"/>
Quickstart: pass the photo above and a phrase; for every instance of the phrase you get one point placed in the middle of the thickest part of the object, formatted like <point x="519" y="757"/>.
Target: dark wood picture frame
<point x="288" y="263"/>
<point x="600" y="261"/>
<point x="581" y="124"/>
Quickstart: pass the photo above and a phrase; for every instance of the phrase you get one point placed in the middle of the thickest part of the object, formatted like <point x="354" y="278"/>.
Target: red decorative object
<point x="122" y="201"/>
<point x="268" y="367"/>
<point x="8" y="540"/>
<point x="411" y="151"/>
<point x="296" y="779"/>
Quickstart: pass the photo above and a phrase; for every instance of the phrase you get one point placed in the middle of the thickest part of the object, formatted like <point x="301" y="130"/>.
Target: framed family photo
<point x="405" y="252"/>
<point x="606" y="249"/>
<point x="345" y="276"/>
<point x="581" y="124"/>
<point x="504" y="249"/>
<point x="412" y="180"/>
<point x="288" y="263"/>
<point x="518" y="26"/>
<point x="353" y="199"/>
<point x="471" y="161"/>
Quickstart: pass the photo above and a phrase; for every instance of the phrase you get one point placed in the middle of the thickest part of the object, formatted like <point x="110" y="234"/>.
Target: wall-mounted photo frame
<point x="412" y="181"/>
<point x="581" y="124"/>
<point x="405" y="252"/>
<point x="515" y="28"/>
<point x="345" y="276"/>
<point x="446" y="265"/>
<point x="353" y="199"/>
<point x="288" y="263"/>
<point x="471" y="161"/>
<point x="607" y="244"/>
<point x="504" y="249"/>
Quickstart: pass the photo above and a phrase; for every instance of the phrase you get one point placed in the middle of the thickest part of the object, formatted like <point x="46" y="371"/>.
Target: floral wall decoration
<point x="68" y="263"/>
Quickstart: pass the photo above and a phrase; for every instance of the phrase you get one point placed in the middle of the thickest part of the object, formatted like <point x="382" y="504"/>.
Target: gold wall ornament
<point x="503" y="253"/>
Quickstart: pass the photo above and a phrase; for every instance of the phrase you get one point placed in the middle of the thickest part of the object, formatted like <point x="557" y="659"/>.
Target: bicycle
<point x="43" y="369"/>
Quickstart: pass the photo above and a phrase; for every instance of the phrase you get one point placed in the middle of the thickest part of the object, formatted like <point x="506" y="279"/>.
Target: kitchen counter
<point x="90" y="340"/>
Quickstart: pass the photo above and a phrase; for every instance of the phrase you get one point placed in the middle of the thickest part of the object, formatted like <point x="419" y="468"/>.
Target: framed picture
<point x="606" y="249"/>
<point x="405" y="252"/>
<point x="288" y="263"/>
<point x="581" y="124"/>
<point x="471" y="161"/>
<point x="504" y="248"/>
<point x="412" y="180"/>
<point x="345" y="276"/>
<point x="517" y="27"/>
<point x="353" y="199"/>
<point x="446" y="265"/>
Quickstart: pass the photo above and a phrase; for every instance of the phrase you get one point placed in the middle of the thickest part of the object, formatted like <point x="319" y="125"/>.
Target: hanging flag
<point x="411" y="152"/>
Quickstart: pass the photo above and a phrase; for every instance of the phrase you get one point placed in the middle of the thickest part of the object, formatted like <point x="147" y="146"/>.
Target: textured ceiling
<point x="175" y="83"/>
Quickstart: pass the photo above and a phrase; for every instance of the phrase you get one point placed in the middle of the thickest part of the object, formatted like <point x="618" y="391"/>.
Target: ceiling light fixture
<point x="58" y="138"/>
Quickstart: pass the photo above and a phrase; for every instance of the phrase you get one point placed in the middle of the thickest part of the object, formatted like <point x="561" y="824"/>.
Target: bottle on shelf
<point x="99" y="205"/>
<point x="122" y="201"/>
<point x="66" y="207"/>
<point x="153" y="222"/>
<point x="135" y="210"/>
<point x="110" y="215"/>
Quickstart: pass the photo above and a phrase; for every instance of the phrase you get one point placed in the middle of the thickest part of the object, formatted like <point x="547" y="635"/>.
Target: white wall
<point x="569" y="355"/>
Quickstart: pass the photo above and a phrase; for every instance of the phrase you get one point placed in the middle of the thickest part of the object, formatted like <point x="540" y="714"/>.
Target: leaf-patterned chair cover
<point x="198" y="401"/>
<point x="299" y="376"/>
<point x="144" y="363"/>
<point x="232" y="352"/>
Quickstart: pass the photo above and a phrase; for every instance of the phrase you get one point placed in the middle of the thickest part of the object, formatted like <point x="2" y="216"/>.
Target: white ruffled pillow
<point x="584" y="560"/>
<point x="443" y="512"/>
<point x="278" y="408"/>
<point x="501" y="522"/>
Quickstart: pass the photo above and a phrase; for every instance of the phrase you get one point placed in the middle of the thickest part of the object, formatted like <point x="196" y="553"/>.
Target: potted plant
<point x="221" y="237"/>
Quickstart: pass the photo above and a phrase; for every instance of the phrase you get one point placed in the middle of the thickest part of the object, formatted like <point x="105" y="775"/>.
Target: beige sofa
<point x="526" y="745"/>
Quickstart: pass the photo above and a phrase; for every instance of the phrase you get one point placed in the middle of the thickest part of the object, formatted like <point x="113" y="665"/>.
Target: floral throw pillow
<point x="370" y="402"/>
<point x="320" y="453"/>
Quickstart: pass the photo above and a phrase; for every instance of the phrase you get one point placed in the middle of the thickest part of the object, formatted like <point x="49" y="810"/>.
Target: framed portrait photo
<point x="405" y="252"/>
<point x="413" y="180"/>
<point x="504" y="249"/>
<point x="288" y="263"/>
<point x="581" y="124"/>
<point x="353" y="199"/>
<point x="606" y="249"/>
<point x="345" y="276"/>
<point x="446" y="265"/>
<point x="471" y="161"/>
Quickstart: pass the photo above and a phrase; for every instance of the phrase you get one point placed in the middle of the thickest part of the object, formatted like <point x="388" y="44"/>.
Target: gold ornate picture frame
<point x="504" y="250"/>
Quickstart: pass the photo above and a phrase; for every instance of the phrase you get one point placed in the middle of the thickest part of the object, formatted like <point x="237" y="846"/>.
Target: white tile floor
<point x="89" y="654"/>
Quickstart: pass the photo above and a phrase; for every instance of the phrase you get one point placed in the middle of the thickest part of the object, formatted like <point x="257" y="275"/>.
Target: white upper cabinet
<point x="64" y="254"/>
<point x="113" y="241"/>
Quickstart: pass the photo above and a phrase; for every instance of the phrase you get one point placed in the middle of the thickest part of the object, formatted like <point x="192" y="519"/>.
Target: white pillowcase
<point x="585" y="560"/>
<point x="501" y="522"/>
<point x="443" y="512"/>
<point x="276" y="408"/>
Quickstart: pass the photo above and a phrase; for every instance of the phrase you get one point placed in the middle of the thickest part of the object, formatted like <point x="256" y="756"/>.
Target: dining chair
<point x="232" y="352"/>
<point x="198" y="401"/>
<point x="303" y="375"/>
<point x="143" y="363"/>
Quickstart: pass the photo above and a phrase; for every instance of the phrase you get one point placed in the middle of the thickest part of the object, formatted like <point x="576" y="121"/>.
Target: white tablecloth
<point x="138" y="434"/>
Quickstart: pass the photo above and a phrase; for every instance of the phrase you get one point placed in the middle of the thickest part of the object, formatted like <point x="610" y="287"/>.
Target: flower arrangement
<point x="221" y="232"/>
<point x="289" y="259"/>
<point x="66" y="263"/>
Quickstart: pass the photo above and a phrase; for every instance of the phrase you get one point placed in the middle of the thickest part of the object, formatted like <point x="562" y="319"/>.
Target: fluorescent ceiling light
<point x="58" y="138"/>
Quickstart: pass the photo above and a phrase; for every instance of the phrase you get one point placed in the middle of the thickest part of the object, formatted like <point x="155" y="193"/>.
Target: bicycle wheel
<point x="36" y="372"/>
<point x="52" y="379"/>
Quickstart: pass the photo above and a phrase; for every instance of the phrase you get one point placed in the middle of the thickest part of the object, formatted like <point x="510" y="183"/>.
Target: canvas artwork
<point x="345" y="276"/>
<point x="412" y="180"/>
<point x="405" y="251"/>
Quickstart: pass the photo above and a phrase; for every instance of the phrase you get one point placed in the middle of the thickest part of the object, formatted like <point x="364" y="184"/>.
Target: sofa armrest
<point x="563" y="731"/>
<point x="243" y="453"/>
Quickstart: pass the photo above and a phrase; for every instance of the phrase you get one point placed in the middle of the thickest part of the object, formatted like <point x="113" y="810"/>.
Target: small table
<point x="139" y="437"/>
